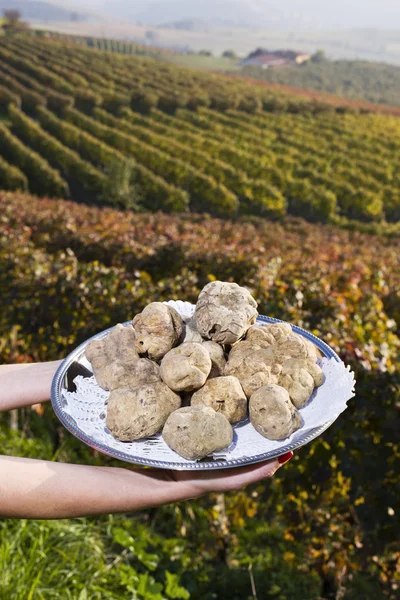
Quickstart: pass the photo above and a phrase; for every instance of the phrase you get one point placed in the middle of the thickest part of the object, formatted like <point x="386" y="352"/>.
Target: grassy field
<point x="209" y="63"/>
<point x="359" y="80"/>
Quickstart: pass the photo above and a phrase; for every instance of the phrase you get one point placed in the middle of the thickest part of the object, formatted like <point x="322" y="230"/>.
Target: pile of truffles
<point x="194" y="380"/>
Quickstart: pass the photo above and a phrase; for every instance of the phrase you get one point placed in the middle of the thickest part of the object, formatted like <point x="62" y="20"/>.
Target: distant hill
<point x="33" y="10"/>
<point x="363" y="80"/>
<point x="290" y="15"/>
<point x="186" y="25"/>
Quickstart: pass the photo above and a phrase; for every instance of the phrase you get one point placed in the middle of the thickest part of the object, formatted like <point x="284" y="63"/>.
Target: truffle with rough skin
<point x="313" y="351"/>
<point x="224" y="312"/>
<point x="254" y="368"/>
<point x="114" y="357"/>
<point x="194" y="432"/>
<point x="158" y="329"/>
<point x="134" y="413"/>
<point x="241" y="349"/>
<point x="266" y="335"/>
<point x="217" y="356"/>
<point x="315" y="370"/>
<point x="186" y="367"/>
<point x="224" y="395"/>
<point x="145" y="371"/>
<point x="272" y="414"/>
<point x="299" y="377"/>
<point x="291" y="346"/>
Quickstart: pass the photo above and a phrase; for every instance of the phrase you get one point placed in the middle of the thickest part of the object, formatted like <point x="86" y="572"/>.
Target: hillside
<point x="379" y="45"/>
<point x="128" y="131"/>
<point x="68" y="271"/>
<point x="360" y="80"/>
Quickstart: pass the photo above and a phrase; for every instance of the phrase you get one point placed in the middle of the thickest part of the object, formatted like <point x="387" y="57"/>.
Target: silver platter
<point x="76" y="364"/>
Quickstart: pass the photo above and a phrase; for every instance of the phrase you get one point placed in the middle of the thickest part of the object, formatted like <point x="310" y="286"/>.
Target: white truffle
<point x="139" y="412"/>
<point x="224" y="395"/>
<point x="272" y="414"/>
<point x="266" y="335"/>
<point x="299" y="377"/>
<point x="186" y="367"/>
<point x="114" y="357"/>
<point x="195" y="432"/>
<point x="254" y="368"/>
<point x="145" y="371"/>
<point x="298" y="363"/>
<point x="158" y="329"/>
<point x="224" y="312"/>
<point x="191" y="335"/>
<point x="313" y="351"/>
<point x="291" y="346"/>
<point x="241" y="349"/>
<point x="217" y="356"/>
<point x="299" y="383"/>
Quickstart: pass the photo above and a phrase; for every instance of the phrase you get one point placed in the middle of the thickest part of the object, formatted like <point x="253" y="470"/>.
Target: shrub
<point x="172" y="101"/>
<point x="68" y="162"/>
<point x="143" y="101"/>
<point x="7" y="98"/>
<point x="42" y="178"/>
<point x="11" y="178"/>
<point x="314" y="203"/>
<point x="28" y="98"/>
<point x="364" y="205"/>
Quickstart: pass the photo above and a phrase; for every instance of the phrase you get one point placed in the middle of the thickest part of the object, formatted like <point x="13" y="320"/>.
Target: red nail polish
<point x="285" y="458"/>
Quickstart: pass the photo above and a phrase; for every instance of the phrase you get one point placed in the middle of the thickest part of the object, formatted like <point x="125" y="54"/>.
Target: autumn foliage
<point x="327" y="525"/>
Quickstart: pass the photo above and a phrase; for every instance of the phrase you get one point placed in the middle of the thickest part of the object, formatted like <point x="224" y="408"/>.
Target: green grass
<point x="357" y="80"/>
<point x="210" y="63"/>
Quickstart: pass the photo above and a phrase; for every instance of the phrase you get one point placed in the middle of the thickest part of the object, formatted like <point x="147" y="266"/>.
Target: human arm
<point x="38" y="489"/>
<point x="26" y="384"/>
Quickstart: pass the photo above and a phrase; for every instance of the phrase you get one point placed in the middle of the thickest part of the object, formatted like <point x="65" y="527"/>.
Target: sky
<point x="342" y="13"/>
<point x="280" y="14"/>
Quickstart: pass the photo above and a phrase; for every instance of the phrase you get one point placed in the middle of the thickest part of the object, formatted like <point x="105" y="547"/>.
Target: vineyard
<point x="326" y="526"/>
<point x="130" y="132"/>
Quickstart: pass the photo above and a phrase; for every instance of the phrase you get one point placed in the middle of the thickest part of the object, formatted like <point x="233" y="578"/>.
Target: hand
<point x="192" y="484"/>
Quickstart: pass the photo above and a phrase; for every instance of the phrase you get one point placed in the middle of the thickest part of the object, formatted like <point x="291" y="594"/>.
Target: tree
<point x="151" y="37"/>
<point x="13" y="22"/>
<point x="205" y="53"/>
<point x="229" y="54"/>
<point x="319" y="56"/>
<point x="120" y="188"/>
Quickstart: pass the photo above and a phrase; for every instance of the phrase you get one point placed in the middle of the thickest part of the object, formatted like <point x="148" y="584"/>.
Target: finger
<point x="244" y="476"/>
<point x="196" y="483"/>
<point x="261" y="469"/>
<point x="224" y="480"/>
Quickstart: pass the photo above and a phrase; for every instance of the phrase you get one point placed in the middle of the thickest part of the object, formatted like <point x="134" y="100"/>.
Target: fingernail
<point x="285" y="458"/>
